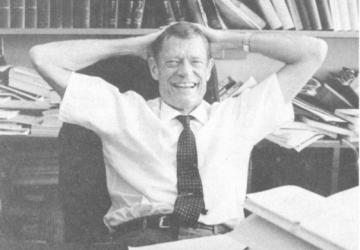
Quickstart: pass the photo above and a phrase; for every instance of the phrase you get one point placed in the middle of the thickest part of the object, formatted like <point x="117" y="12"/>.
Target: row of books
<point x="28" y="105"/>
<point x="328" y="109"/>
<point x="219" y="14"/>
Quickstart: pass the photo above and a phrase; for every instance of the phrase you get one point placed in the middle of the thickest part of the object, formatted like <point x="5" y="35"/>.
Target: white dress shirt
<point x="140" y="138"/>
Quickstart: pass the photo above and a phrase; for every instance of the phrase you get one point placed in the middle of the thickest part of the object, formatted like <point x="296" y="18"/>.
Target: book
<point x="283" y="13"/>
<point x="269" y="14"/>
<point x="332" y="99"/>
<point x="335" y="13"/>
<point x="129" y="13"/>
<point x="304" y="15"/>
<point x="17" y="8"/>
<point x="238" y="16"/>
<point x="138" y="13"/>
<point x="327" y="127"/>
<point x="353" y="14"/>
<point x="151" y="17"/>
<point x="196" y="14"/>
<point x="25" y="105"/>
<point x="325" y="14"/>
<point x="56" y="13"/>
<point x="314" y="16"/>
<point x="318" y="112"/>
<point x="166" y="10"/>
<point x="214" y="19"/>
<point x="31" y="14"/>
<point x="110" y="13"/>
<point x="67" y="13"/>
<point x="96" y="13"/>
<point x="179" y="9"/>
<point x="294" y="139"/>
<point x="5" y="16"/>
<point x="327" y="223"/>
<point x="122" y="5"/>
<point x="81" y="14"/>
<point x="294" y="14"/>
<point x="258" y="21"/>
<point x="344" y="15"/>
<point x="43" y="13"/>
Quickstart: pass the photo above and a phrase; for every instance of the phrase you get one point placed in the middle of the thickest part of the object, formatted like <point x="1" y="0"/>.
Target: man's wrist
<point x="246" y="41"/>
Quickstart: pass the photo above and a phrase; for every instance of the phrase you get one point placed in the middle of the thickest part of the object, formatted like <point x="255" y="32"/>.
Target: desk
<point x="336" y="147"/>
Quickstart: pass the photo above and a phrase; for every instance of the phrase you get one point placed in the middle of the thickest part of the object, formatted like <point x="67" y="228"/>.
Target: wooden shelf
<point x="134" y="32"/>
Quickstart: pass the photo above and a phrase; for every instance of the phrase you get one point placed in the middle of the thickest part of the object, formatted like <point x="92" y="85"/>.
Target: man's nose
<point x="184" y="68"/>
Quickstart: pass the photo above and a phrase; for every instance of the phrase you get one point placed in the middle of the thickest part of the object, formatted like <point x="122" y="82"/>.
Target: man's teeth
<point x="184" y="85"/>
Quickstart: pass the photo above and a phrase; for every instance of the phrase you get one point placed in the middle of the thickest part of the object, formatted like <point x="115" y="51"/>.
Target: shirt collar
<point x="200" y="113"/>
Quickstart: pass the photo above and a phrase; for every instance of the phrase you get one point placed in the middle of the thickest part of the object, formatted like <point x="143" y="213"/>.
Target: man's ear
<point x="153" y="68"/>
<point x="211" y="64"/>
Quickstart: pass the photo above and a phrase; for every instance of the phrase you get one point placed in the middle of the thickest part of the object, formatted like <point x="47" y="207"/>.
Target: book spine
<point x="325" y="14"/>
<point x="81" y="13"/>
<point x="67" y="13"/>
<point x="31" y="14"/>
<point x="335" y="13"/>
<point x="97" y="14"/>
<point x="43" y="13"/>
<point x="295" y="14"/>
<point x="269" y="13"/>
<point x="17" y="13"/>
<point x="210" y="11"/>
<point x="110" y="14"/>
<point x="138" y="13"/>
<point x="304" y="15"/>
<point x="314" y="16"/>
<point x="5" y="14"/>
<point x="179" y="10"/>
<point x="150" y="19"/>
<point x="56" y="13"/>
<point x="353" y="14"/>
<point x="283" y="13"/>
<point x="256" y="20"/>
<point x="344" y="15"/>
<point x="129" y="13"/>
<point x="122" y="8"/>
<point x="167" y="11"/>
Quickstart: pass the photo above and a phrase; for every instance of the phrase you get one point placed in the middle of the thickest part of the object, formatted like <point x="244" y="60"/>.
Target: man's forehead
<point x="172" y="45"/>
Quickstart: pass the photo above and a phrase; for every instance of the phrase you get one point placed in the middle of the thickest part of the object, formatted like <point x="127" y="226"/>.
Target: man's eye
<point x="197" y="63"/>
<point x="172" y="63"/>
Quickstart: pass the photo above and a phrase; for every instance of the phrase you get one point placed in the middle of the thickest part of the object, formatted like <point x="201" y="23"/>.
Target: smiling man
<point x="177" y="166"/>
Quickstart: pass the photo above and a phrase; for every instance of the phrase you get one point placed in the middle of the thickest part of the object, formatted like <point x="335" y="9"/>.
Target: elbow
<point x="318" y="51"/>
<point x="37" y="56"/>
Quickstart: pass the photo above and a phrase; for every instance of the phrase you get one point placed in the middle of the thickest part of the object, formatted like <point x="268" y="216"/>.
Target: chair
<point x="82" y="186"/>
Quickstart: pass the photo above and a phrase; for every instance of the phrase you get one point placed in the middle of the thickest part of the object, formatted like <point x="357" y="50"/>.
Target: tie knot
<point x="185" y="120"/>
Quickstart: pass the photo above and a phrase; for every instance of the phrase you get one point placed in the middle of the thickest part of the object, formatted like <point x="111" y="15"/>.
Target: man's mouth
<point x="184" y="85"/>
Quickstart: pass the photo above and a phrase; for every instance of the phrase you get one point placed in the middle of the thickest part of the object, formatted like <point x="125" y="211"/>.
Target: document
<point x="216" y="242"/>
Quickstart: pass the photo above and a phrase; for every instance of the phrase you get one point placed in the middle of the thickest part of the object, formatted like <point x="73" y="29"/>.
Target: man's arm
<point x="302" y="55"/>
<point x="55" y="61"/>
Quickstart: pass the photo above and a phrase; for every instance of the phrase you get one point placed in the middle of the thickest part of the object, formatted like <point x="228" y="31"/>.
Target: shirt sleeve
<point x="262" y="109"/>
<point x="95" y="104"/>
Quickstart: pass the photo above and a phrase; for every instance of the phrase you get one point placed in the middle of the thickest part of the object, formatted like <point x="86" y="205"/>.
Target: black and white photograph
<point x="179" y="125"/>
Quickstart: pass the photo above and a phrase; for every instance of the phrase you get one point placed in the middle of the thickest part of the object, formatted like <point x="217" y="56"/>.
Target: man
<point x="176" y="165"/>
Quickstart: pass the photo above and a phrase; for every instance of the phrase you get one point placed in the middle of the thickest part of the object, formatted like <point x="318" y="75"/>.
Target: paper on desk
<point x="204" y="243"/>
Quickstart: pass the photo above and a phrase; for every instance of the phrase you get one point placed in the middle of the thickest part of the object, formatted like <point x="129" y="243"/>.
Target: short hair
<point x="182" y="30"/>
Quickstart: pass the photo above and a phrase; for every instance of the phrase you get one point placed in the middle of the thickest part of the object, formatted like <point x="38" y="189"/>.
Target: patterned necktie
<point x="190" y="200"/>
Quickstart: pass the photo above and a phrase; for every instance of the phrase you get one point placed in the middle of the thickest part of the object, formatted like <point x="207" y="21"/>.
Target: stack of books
<point x="219" y="14"/>
<point x="28" y="105"/>
<point x="327" y="109"/>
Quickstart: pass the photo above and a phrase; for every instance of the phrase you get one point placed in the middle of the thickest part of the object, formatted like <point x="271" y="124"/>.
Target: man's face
<point x="182" y="69"/>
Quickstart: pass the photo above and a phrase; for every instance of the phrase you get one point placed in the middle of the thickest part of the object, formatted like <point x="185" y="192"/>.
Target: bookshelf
<point x="136" y="32"/>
